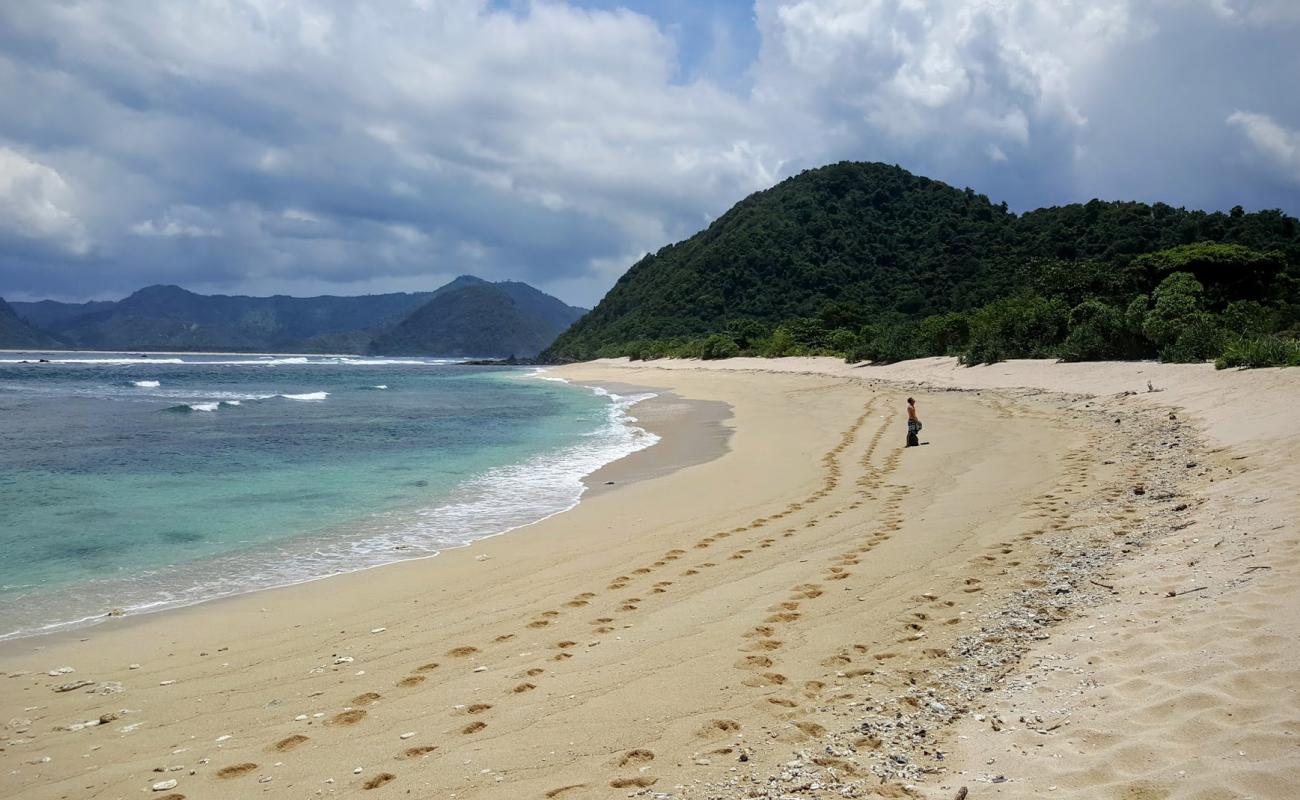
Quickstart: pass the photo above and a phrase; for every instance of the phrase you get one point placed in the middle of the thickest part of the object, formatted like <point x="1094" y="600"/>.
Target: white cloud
<point x="966" y="72"/>
<point x="1278" y="146"/>
<point x="387" y="143"/>
<point x="184" y="222"/>
<point x="37" y="203"/>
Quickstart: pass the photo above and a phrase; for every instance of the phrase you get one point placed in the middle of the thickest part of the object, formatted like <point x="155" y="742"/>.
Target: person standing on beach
<point x="913" y="424"/>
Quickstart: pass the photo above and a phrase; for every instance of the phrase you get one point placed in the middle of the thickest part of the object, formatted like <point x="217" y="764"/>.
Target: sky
<point x="336" y="147"/>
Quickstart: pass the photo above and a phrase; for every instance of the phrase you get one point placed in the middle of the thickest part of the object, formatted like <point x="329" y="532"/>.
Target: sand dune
<point x="816" y="613"/>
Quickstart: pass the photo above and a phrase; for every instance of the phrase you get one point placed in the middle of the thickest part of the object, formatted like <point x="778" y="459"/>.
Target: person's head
<point x="911" y="402"/>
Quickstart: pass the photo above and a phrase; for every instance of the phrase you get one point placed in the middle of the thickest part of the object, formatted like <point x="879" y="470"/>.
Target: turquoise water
<point x="144" y="483"/>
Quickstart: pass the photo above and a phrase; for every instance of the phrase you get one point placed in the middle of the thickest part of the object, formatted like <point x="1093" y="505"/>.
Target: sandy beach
<point x="1084" y="585"/>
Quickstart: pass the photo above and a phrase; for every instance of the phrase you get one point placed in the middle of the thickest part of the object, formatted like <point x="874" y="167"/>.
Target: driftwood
<point x="961" y="794"/>
<point x="1102" y="585"/>
<point x="1258" y="566"/>
<point x="1172" y="593"/>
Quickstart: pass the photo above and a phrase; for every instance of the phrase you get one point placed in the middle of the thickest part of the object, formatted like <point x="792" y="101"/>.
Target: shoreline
<point x="814" y="613"/>
<point x="689" y="432"/>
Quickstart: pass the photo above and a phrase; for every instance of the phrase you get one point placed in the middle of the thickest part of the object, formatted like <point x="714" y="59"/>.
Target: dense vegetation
<point x="870" y="262"/>
<point x="171" y="318"/>
<point x="471" y="317"/>
<point x="17" y="333"/>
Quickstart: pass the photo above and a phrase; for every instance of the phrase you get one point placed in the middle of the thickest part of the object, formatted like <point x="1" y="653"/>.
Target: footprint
<point x="524" y="687"/>
<point x="539" y="623"/>
<point x="505" y="637"/>
<point x="765" y="645"/>
<point x="430" y="667"/>
<point x="369" y="698"/>
<point x="411" y="680"/>
<point x="347" y="717"/>
<point x="637" y="756"/>
<point x="719" y="726"/>
<point x="766" y="679"/>
<point x="566" y="644"/>
<point x="754" y="662"/>
<point x="534" y="672"/>
<point x="419" y="752"/>
<point x="235" y="770"/>
<point x="379" y="780"/>
<point x="626" y="783"/>
<point x="473" y="727"/>
<point x="288" y="743"/>
<point x="462" y="652"/>
<point x="478" y="708"/>
<point x="811" y="728"/>
<point x="761" y="631"/>
<point x="781" y="701"/>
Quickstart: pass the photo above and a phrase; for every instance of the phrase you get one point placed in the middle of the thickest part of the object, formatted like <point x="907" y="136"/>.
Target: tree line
<point x="871" y="263"/>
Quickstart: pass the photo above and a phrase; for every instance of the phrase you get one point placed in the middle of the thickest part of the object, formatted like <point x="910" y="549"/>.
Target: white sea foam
<point x="310" y="396"/>
<point x="258" y="361"/>
<point x="107" y="362"/>
<point x="380" y="386"/>
<point x="147" y="384"/>
<point x="204" y="406"/>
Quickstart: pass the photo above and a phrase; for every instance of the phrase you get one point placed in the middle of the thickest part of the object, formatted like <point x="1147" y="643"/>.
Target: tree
<point x="1176" y="302"/>
<point x="1016" y="327"/>
<point x="1098" y="331"/>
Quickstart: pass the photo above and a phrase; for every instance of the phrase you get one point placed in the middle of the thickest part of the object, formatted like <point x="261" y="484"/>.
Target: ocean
<point x="136" y="483"/>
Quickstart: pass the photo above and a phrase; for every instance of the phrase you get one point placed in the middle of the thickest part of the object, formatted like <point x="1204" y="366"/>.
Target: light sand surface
<point x="816" y="613"/>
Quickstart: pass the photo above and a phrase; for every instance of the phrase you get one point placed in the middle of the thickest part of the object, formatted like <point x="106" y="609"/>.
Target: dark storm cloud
<point x="328" y="146"/>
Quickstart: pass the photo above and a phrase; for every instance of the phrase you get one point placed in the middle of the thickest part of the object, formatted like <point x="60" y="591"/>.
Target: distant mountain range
<point x="467" y="317"/>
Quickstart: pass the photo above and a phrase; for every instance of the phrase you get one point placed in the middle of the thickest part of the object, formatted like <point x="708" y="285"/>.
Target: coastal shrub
<point x="780" y="343"/>
<point x="1016" y="327"/>
<point x="746" y="332"/>
<point x="1201" y="338"/>
<point x="890" y="341"/>
<point x="718" y="346"/>
<point x="1099" y="331"/>
<point x="1176" y="304"/>
<point x="1260" y="351"/>
<point x="843" y="341"/>
<point x="944" y="334"/>
<point x="1247" y="318"/>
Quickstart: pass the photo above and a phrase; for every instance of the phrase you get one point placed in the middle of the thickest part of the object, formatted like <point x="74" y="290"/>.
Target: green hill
<point x="172" y="318"/>
<point x="18" y="334"/>
<point x="844" y="258"/>
<point x="471" y="317"/>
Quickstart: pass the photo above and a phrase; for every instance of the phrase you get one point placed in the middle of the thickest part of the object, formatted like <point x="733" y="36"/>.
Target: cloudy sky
<point x="326" y="146"/>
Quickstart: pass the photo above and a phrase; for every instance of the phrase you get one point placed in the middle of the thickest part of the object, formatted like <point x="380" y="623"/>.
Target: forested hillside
<point x="471" y="317"/>
<point x="519" y="320"/>
<point x="16" y="333"/>
<point x="871" y="262"/>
